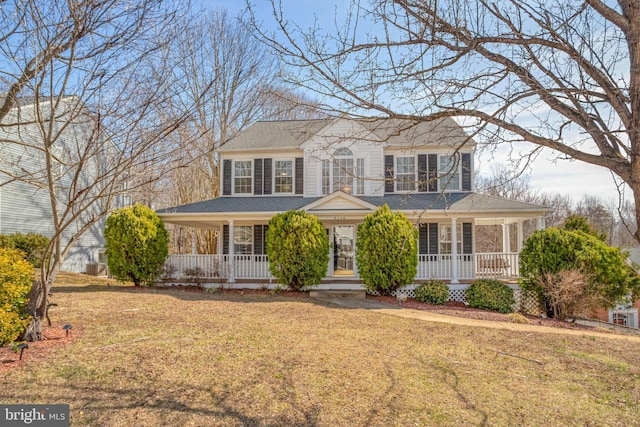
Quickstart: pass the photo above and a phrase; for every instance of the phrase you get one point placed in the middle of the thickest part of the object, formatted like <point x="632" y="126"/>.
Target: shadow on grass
<point x="235" y="295"/>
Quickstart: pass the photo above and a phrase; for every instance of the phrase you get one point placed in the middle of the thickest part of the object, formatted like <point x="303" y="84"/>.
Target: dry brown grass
<point x="159" y="357"/>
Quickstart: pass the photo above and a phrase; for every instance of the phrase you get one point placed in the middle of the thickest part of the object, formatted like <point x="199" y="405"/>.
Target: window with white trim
<point x="283" y="176"/>
<point x="446" y="237"/>
<point x="242" y="178"/>
<point x="449" y="172"/>
<point x="343" y="173"/>
<point x="405" y="173"/>
<point x="243" y="240"/>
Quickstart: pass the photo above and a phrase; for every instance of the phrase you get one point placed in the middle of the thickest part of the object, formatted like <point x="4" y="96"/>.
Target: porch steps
<point x="335" y="293"/>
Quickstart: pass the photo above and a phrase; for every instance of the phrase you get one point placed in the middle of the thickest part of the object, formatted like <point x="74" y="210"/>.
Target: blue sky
<point x="548" y="174"/>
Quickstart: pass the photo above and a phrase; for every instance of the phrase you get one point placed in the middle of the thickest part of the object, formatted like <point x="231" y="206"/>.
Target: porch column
<point x="194" y="242"/>
<point x="520" y="236"/>
<point x="506" y="238"/>
<point x="454" y="251"/>
<point x="231" y="252"/>
<point x="541" y="224"/>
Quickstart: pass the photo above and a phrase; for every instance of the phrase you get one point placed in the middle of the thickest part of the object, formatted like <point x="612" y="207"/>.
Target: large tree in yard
<point x="564" y="76"/>
<point x="80" y="113"/>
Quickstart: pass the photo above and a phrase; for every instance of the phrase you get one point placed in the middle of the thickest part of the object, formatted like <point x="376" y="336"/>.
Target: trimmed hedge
<point x="387" y="251"/>
<point x="490" y="294"/>
<point x="298" y="249"/>
<point x="432" y="292"/>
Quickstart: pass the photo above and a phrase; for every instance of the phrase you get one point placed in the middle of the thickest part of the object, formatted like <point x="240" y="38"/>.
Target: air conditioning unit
<point x="624" y="317"/>
<point x="98" y="269"/>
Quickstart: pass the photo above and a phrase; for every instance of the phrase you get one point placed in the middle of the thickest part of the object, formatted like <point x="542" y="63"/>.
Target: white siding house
<point x="341" y="170"/>
<point x="25" y="204"/>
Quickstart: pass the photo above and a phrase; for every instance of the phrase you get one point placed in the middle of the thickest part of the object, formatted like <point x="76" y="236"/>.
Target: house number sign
<point x="339" y="218"/>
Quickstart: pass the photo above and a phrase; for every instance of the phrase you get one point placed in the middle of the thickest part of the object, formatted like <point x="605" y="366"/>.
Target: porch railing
<point x="221" y="267"/>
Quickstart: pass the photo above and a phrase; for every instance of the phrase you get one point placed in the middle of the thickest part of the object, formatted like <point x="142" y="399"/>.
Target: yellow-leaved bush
<point x="16" y="276"/>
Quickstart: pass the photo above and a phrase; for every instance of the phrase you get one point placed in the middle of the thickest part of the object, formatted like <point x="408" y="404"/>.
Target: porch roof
<point x="461" y="202"/>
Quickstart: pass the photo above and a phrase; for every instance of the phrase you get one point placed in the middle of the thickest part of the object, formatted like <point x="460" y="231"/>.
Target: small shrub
<point x="490" y="294"/>
<point x="517" y="318"/>
<point x="432" y="292"/>
<point x="32" y="245"/>
<point x="168" y="271"/>
<point x="194" y="273"/>
<point x="15" y="283"/>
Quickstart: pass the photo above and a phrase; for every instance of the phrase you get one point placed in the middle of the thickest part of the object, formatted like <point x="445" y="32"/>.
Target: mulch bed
<point x="37" y="352"/>
<point x="459" y="309"/>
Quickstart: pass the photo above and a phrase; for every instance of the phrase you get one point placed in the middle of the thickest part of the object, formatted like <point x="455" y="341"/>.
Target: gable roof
<point x="291" y="134"/>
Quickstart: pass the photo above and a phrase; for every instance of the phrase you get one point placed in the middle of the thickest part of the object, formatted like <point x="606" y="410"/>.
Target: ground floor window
<point x="243" y="240"/>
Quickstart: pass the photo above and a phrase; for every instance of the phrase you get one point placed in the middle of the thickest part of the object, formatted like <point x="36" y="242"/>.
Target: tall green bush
<point x="16" y="275"/>
<point x="387" y="251"/>
<point x="549" y="252"/>
<point x="136" y="244"/>
<point x="490" y="294"/>
<point x="298" y="249"/>
<point x="32" y="245"/>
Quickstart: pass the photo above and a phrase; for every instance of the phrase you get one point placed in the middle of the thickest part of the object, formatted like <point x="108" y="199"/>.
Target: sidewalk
<point x="394" y="310"/>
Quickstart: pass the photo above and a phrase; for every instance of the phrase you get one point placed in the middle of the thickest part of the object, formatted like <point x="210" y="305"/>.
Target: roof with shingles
<point x="291" y="134"/>
<point x="460" y="202"/>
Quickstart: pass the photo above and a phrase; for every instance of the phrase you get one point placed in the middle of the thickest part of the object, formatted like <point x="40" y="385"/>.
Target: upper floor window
<point x="405" y="173"/>
<point x="283" y="176"/>
<point x="242" y="178"/>
<point x="344" y="173"/>
<point x="449" y="172"/>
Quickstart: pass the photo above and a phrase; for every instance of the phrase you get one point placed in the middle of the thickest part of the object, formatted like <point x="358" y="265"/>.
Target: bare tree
<point x="81" y="119"/>
<point x="214" y="50"/>
<point x="562" y="76"/>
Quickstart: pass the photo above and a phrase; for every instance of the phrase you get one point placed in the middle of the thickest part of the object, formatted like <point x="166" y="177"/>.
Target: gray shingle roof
<point x="460" y="202"/>
<point x="290" y="134"/>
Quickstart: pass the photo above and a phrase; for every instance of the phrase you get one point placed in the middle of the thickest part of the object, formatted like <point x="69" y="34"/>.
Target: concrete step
<point x="328" y="294"/>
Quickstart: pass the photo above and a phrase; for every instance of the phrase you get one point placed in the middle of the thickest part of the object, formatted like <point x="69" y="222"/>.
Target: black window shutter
<point x="264" y="240"/>
<point x="268" y="176"/>
<point x="423" y="173"/>
<point x="423" y="239"/>
<point x="225" y="239"/>
<point x="432" y="168"/>
<point x="388" y="174"/>
<point x="299" y="175"/>
<point x="258" y="240"/>
<point x="226" y="177"/>
<point x="466" y="171"/>
<point x="257" y="176"/>
<point x="433" y="238"/>
<point x="467" y="238"/>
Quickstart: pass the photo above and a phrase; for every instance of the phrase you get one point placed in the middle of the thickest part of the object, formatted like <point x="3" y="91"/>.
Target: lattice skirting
<point x="525" y="302"/>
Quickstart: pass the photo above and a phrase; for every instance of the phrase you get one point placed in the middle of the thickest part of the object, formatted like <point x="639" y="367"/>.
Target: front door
<point x="343" y="249"/>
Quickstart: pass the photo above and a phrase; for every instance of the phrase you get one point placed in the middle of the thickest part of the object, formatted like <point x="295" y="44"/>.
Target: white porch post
<point x="194" y="244"/>
<point x="520" y="236"/>
<point x="232" y="279"/>
<point x="541" y="224"/>
<point x="454" y="251"/>
<point x="506" y="238"/>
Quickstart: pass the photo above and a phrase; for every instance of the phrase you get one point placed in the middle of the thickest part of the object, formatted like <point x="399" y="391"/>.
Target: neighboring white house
<point x="25" y="204"/>
<point x="341" y="170"/>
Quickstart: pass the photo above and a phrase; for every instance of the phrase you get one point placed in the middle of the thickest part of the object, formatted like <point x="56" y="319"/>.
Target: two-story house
<point x="341" y="170"/>
<point x="46" y="157"/>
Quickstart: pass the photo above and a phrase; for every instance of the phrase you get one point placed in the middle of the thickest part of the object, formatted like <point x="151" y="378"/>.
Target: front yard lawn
<point x="149" y="357"/>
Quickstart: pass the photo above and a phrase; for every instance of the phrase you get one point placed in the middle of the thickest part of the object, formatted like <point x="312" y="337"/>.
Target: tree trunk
<point x="36" y="308"/>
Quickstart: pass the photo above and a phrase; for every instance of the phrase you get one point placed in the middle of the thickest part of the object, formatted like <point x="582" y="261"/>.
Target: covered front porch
<point x="462" y="237"/>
